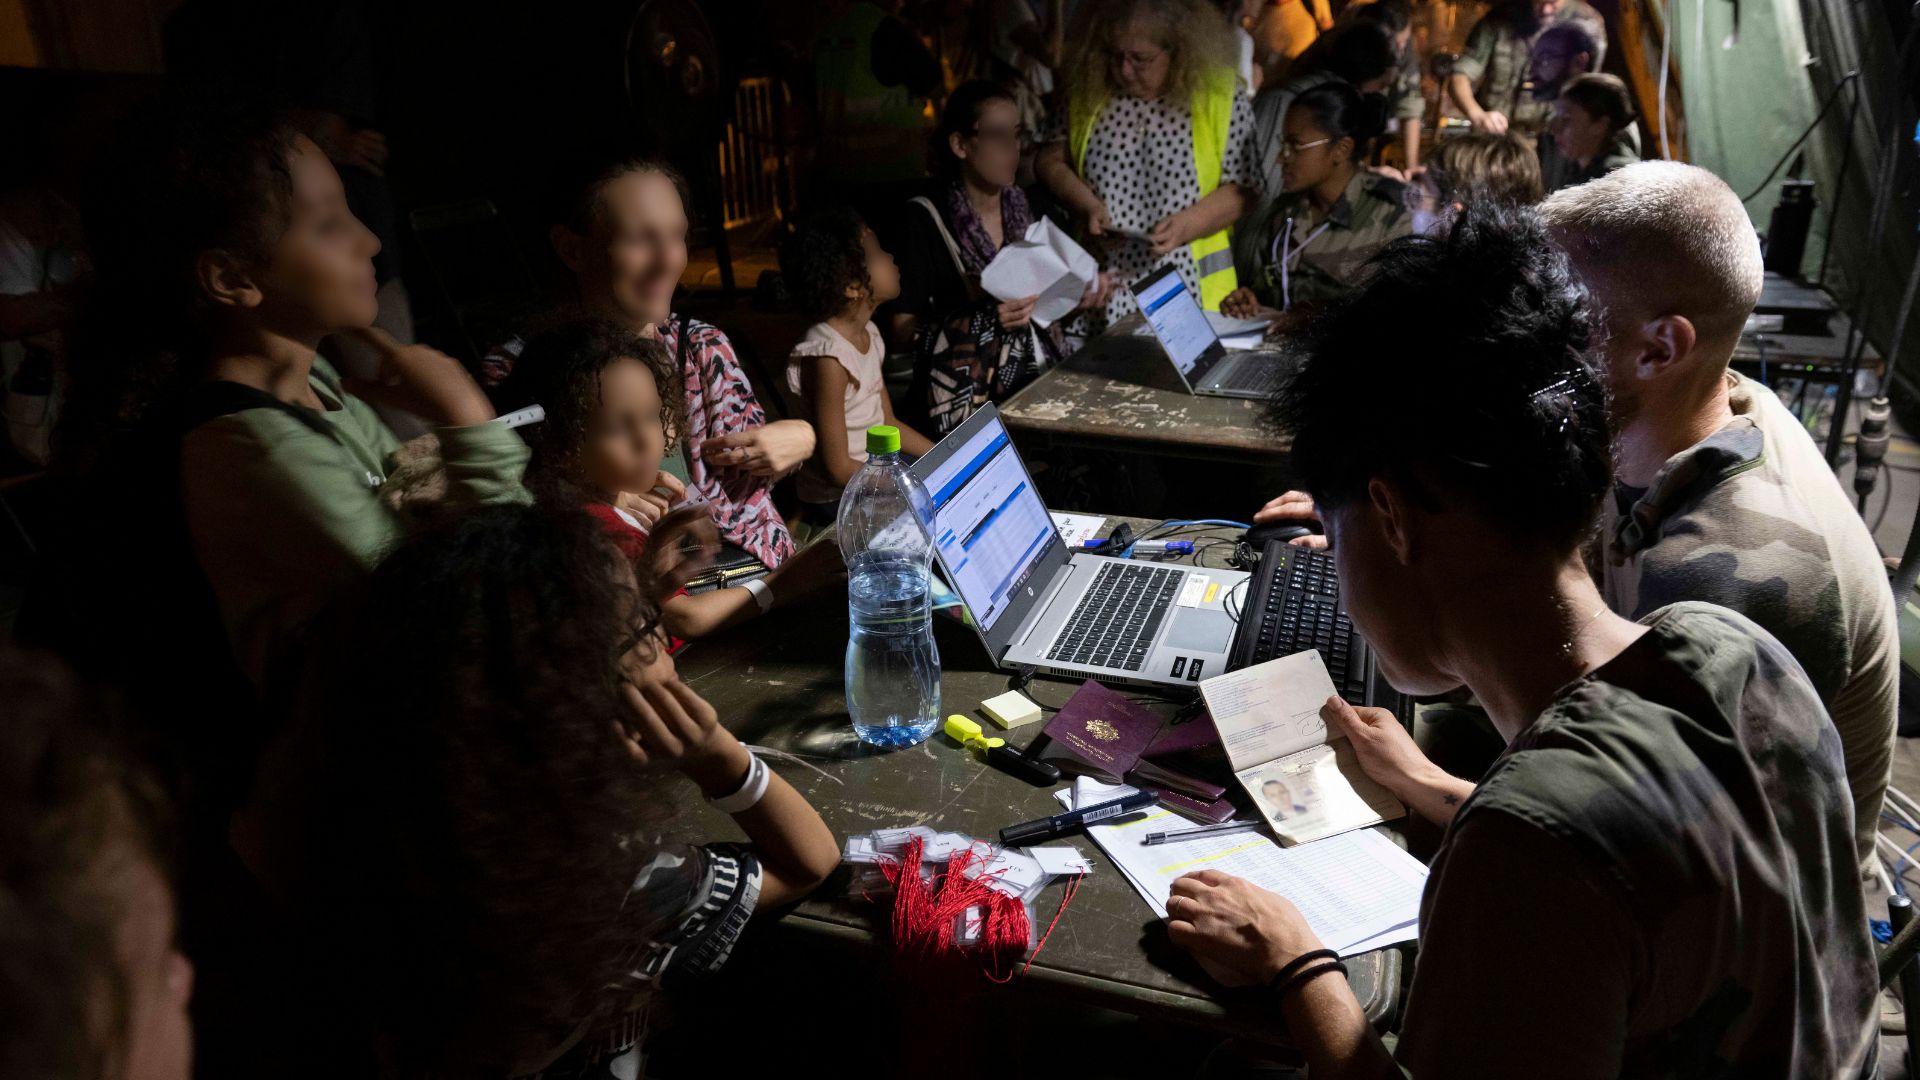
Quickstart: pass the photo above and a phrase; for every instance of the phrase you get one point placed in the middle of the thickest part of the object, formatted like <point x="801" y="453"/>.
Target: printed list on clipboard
<point x="1306" y="783"/>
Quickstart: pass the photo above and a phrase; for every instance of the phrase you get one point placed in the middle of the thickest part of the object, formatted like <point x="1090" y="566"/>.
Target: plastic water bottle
<point x="893" y="669"/>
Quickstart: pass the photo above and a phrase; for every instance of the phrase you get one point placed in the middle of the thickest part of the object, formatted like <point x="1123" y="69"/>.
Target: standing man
<point x="1492" y="82"/>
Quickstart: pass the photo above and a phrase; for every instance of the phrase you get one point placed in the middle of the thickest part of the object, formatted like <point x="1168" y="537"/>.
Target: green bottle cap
<point x="883" y="439"/>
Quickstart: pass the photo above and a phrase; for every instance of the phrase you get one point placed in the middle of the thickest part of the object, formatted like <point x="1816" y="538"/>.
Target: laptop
<point x="1204" y="365"/>
<point x="1034" y="603"/>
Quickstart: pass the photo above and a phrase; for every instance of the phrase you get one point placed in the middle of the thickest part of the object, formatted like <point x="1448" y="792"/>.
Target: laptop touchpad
<point x="1203" y="629"/>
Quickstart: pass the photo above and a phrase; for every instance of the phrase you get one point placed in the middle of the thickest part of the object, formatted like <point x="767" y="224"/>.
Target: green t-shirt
<point x="1654" y="880"/>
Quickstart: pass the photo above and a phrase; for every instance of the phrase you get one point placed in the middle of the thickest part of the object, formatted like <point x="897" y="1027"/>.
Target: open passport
<point x="1306" y="783"/>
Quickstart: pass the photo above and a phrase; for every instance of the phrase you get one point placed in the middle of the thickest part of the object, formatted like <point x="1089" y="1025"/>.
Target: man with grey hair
<point x="1720" y="493"/>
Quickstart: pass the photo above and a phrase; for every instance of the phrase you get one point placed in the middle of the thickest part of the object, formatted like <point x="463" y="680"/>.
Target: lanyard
<point x="1285" y="240"/>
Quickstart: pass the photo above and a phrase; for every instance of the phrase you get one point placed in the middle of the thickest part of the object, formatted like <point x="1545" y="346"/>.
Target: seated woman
<point x="502" y="875"/>
<point x="1591" y="130"/>
<point x="1154" y="150"/>
<point x="620" y="227"/>
<point x="1314" y="244"/>
<point x="1669" y="832"/>
<point x="968" y="347"/>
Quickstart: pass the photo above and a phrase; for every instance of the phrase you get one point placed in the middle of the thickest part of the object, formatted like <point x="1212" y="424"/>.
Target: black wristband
<point x="1302" y="978"/>
<point x="1293" y="966"/>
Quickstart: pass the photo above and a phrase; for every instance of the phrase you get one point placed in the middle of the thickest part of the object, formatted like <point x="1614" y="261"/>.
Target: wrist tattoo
<point x="1450" y="799"/>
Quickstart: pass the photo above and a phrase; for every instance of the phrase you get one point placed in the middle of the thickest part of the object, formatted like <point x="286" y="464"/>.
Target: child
<point x="615" y="409"/>
<point x="838" y="273"/>
<point x="504" y="884"/>
<point x="224" y="258"/>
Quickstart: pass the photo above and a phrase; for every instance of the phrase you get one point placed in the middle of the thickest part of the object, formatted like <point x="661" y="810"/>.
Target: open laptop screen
<point x="1176" y="319"/>
<point x="991" y="527"/>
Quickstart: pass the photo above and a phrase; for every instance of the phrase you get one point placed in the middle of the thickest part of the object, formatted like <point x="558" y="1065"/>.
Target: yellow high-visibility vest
<point x="1212" y="111"/>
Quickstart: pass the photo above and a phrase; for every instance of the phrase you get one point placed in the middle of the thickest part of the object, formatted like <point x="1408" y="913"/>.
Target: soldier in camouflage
<point x="1652" y="879"/>
<point x="1722" y="494"/>
<point x="1313" y="243"/>
<point x="1492" y="80"/>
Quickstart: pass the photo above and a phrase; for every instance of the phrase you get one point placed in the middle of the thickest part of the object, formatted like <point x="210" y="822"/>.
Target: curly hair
<point x="824" y="256"/>
<point x="1196" y="38"/>
<point x="183" y="179"/>
<point x="71" y="803"/>
<point x="1496" y="404"/>
<point x="478" y="873"/>
<point x="559" y="369"/>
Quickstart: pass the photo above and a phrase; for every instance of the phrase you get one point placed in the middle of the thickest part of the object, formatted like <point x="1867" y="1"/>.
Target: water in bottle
<point x="893" y="669"/>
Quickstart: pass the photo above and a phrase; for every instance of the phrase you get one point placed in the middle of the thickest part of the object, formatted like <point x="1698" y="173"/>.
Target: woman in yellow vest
<point x="1154" y="151"/>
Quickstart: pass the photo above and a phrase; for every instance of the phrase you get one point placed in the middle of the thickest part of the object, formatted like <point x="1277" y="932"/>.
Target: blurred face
<point x="1579" y="134"/>
<point x="1545" y="9"/>
<point x="990" y="157"/>
<point x="881" y="271"/>
<point x="319" y="275"/>
<point x="1552" y="65"/>
<point x="159" y="980"/>
<point x="633" y="258"/>
<point x="1138" y="60"/>
<point x="626" y="440"/>
<point x="1308" y="155"/>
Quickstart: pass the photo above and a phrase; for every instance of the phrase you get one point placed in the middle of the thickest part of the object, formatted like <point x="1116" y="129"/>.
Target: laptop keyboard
<point x="1114" y="624"/>
<point x="1252" y="372"/>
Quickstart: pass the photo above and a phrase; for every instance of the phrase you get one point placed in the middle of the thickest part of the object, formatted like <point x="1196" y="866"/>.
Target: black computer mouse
<point x="1278" y="530"/>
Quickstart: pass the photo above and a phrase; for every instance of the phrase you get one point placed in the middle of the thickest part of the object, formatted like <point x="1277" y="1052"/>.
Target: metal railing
<point x="755" y="164"/>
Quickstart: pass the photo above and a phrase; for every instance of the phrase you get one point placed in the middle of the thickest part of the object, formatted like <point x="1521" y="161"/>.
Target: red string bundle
<point x="926" y="914"/>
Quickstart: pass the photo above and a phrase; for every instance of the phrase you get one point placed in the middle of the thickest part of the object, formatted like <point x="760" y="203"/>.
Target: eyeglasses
<point x="1120" y="58"/>
<point x="1289" y="148"/>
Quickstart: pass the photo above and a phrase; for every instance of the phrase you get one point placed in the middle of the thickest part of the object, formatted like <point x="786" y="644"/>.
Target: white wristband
<point x="752" y="789"/>
<point x="762" y="592"/>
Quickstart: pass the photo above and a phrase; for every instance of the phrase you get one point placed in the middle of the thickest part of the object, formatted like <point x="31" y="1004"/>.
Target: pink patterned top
<point x="720" y="402"/>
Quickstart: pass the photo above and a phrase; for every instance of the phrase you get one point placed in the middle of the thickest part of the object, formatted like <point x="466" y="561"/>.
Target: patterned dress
<point x="1140" y="164"/>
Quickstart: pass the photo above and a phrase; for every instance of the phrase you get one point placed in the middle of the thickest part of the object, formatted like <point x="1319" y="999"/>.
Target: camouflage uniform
<point x="1331" y="255"/>
<point x="1497" y="61"/>
<point x="1558" y="172"/>
<point x="1752" y="518"/>
<point x="1651" y="880"/>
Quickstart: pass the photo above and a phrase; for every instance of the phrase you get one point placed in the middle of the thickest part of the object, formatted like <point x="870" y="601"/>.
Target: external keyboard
<point x="1114" y="624"/>
<point x="1293" y="604"/>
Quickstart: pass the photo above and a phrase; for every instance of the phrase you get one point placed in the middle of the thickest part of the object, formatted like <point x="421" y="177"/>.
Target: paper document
<point x="1045" y="263"/>
<point x="1358" y="891"/>
<point x="1076" y="529"/>
<point x="1305" y="783"/>
<point x="1226" y="326"/>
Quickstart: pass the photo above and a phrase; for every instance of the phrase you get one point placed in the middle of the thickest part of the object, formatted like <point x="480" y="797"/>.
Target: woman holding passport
<point x="1656" y="878"/>
<point x="1154" y="153"/>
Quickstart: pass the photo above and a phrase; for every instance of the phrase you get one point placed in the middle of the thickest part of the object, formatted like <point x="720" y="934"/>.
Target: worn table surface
<point x="1120" y="392"/>
<point x="778" y="682"/>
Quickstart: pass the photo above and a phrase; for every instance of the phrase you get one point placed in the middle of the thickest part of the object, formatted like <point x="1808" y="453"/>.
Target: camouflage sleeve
<point x="1526" y="966"/>
<point x="1478" y="54"/>
<point x="1408" y="102"/>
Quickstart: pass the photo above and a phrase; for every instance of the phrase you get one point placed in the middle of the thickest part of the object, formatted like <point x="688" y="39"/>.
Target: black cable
<point x="1886" y="500"/>
<point x="1832" y="96"/>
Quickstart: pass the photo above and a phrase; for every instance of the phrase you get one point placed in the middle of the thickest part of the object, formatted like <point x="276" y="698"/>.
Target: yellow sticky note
<point x="1213" y="590"/>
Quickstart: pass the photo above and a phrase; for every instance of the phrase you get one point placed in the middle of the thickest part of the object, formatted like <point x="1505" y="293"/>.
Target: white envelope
<point x="1045" y="263"/>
